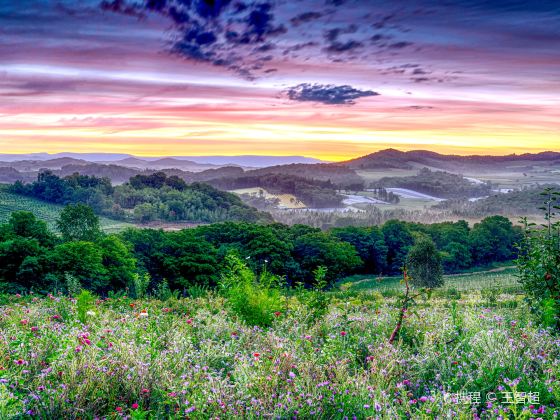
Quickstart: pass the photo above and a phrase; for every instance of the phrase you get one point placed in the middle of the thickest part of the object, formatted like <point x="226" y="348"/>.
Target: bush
<point x="73" y="285"/>
<point x="316" y="300"/>
<point x="255" y="300"/>
<point x="84" y="304"/>
<point x="424" y="263"/>
<point x="539" y="263"/>
<point x="141" y="283"/>
<point x="490" y="295"/>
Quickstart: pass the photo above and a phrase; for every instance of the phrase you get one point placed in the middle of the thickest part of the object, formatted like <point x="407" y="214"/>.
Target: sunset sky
<point x="331" y="79"/>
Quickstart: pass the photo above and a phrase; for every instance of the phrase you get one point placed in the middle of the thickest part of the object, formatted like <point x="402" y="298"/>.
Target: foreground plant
<point x="539" y="262"/>
<point x="407" y="300"/>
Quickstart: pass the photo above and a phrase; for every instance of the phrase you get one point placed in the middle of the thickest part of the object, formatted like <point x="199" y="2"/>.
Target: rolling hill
<point x="395" y="159"/>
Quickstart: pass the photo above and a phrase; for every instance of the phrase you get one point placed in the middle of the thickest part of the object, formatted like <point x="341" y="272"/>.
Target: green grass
<point x="501" y="278"/>
<point x="197" y="359"/>
<point x="47" y="212"/>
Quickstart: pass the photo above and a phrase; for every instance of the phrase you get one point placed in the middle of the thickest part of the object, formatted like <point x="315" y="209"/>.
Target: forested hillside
<point x="144" y="198"/>
<point x="32" y="256"/>
<point x="314" y="193"/>
<point x="525" y="201"/>
<point x="437" y="183"/>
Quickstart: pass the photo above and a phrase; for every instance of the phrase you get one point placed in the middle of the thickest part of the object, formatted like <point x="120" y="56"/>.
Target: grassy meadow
<point x="196" y="358"/>
<point x="498" y="278"/>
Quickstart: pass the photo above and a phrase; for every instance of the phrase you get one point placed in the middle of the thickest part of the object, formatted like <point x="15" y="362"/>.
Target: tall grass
<point x="198" y="359"/>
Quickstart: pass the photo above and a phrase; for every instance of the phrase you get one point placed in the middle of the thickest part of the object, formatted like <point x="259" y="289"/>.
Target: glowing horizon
<point x="71" y="82"/>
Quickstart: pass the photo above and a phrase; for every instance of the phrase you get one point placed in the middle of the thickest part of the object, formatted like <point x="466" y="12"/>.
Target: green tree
<point x="188" y="260"/>
<point x="78" y="222"/>
<point x="83" y="260"/>
<point x="424" y="264"/>
<point x="321" y="249"/>
<point x="24" y="224"/>
<point x="118" y="261"/>
<point x="539" y="262"/>
<point x="398" y="239"/>
<point x="20" y="262"/>
<point x="494" y="239"/>
<point x="369" y="243"/>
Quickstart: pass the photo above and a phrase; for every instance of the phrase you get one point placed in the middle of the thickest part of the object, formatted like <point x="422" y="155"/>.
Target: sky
<point x="331" y="79"/>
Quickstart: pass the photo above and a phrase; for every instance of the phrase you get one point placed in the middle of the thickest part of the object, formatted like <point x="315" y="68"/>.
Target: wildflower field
<point x="457" y="357"/>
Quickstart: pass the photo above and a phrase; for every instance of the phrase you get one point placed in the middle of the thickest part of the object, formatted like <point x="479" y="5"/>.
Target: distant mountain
<point x="35" y="165"/>
<point x="391" y="158"/>
<point x="90" y="157"/>
<point x="163" y="163"/>
<point x="253" y="161"/>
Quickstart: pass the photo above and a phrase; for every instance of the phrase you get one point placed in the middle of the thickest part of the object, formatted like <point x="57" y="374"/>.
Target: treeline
<point x="314" y="193"/>
<point x="437" y="183"/>
<point x="382" y="194"/>
<point x="144" y="198"/>
<point x="340" y="176"/>
<point x="513" y="203"/>
<point x="31" y="256"/>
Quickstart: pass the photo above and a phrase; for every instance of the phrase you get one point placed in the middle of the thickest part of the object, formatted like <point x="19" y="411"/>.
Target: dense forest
<point x="314" y="193"/>
<point x="144" y="198"/>
<point x="340" y="176"/>
<point x="514" y="203"/>
<point x="31" y="256"/>
<point x="437" y="183"/>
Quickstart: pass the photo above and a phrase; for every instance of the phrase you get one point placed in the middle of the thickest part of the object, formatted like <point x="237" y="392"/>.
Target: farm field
<point x="405" y="202"/>
<point x="47" y="212"/>
<point x="196" y="358"/>
<point x="499" y="278"/>
<point x="287" y="201"/>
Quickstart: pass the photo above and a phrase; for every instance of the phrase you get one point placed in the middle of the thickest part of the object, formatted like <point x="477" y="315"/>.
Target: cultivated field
<point x="47" y="212"/>
<point x="500" y="278"/>
<point x="287" y="201"/>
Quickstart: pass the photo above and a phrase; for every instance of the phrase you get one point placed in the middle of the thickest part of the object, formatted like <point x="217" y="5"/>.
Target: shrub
<point x="490" y="295"/>
<point x="141" y="283"/>
<point x="73" y="285"/>
<point x="84" y="304"/>
<point x="316" y="300"/>
<point x="539" y="262"/>
<point x="424" y="264"/>
<point x="163" y="292"/>
<point x="254" y="299"/>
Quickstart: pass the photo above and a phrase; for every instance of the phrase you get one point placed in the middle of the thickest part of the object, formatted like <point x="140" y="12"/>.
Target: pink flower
<point x="277" y="313"/>
<point x="145" y="391"/>
<point x="256" y="355"/>
<point x="34" y="328"/>
<point x="172" y="394"/>
<point x="189" y="321"/>
<point x="20" y="362"/>
<point x="78" y="349"/>
<point x="24" y="322"/>
<point x="423" y="399"/>
<point x="134" y="406"/>
<point x="119" y="409"/>
<point x="18" y="295"/>
<point x="343" y="333"/>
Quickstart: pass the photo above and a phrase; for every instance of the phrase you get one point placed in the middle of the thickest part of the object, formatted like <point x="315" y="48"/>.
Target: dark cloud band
<point x="327" y="94"/>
